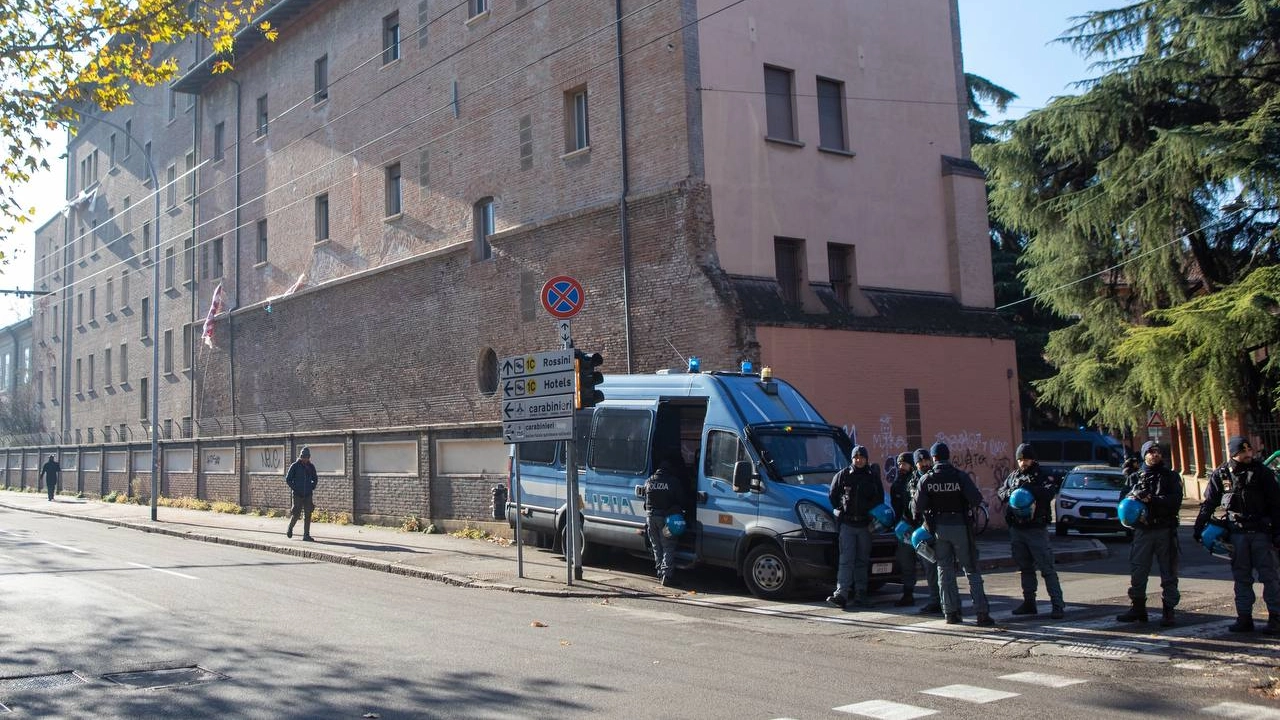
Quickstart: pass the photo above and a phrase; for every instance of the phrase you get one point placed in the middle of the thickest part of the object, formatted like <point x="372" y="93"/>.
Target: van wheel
<point x="1060" y="530"/>
<point x="767" y="573"/>
<point x="589" y="550"/>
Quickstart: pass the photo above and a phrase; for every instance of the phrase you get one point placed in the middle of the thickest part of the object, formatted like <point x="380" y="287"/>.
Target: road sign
<point x="540" y="363"/>
<point x="1155" y="419"/>
<point x="553" y="406"/>
<point x="531" y="430"/>
<point x="565" y="334"/>
<point x="563" y="297"/>
<point x="538" y="386"/>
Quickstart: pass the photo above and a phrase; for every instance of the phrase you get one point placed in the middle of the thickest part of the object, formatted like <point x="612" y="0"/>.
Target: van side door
<point x="723" y="515"/>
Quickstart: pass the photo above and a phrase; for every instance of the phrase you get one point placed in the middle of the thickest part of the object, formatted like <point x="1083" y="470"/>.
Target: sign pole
<point x="571" y="513"/>
<point x="515" y="458"/>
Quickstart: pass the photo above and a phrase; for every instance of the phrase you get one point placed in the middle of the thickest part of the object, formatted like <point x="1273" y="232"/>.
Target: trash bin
<point x="499" y="502"/>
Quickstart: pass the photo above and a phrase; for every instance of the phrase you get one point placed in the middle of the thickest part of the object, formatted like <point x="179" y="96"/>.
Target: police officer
<point x="854" y="491"/>
<point x="943" y="501"/>
<point x="1243" y="497"/>
<point x="924" y="463"/>
<point x="1029" y="534"/>
<point x="663" y="496"/>
<point x="900" y="501"/>
<point x="1156" y="537"/>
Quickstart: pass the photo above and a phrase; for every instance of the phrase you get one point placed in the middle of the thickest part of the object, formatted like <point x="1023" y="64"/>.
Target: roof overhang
<point x="248" y="39"/>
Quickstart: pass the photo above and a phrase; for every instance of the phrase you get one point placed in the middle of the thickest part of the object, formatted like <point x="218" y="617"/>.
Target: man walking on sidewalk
<point x="1156" y="537"/>
<point x="1244" y="498"/>
<point x="1029" y="532"/>
<point x="50" y="472"/>
<point x="301" y="479"/>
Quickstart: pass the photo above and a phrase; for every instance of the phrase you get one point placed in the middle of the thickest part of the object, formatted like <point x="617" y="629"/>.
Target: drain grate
<point x="171" y="677"/>
<point x="1099" y="650"/>
<point x="39" y="682"/>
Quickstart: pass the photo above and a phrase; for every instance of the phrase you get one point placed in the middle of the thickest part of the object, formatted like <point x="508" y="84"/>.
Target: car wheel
<point x="767" y="573"/>
<point x="1060" y="530"/>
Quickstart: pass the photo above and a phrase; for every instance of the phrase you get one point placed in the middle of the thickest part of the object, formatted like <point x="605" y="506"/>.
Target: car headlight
<point x="815" y="518"/>
<point x="1067" y="504"/>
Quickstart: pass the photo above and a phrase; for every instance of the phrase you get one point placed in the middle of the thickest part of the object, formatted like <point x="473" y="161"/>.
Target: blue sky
<point x="1009" y="42"/>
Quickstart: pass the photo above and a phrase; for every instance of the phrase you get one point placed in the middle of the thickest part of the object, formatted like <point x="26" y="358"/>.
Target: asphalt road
<point x="286" y="638"/>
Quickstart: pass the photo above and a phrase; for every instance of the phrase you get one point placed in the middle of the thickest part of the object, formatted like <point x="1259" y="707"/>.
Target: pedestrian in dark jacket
<point x="1244" y="498"/>
<point x="854" y="491"/>
<point x="943" y="504"/>
<point x="1029" y="533"/>
<point x="49" y="471"/>
<point x="302" y="481"/>
<point x="664" y="496"/>
<point x="1156" y="537"/>
<point x="900" y="492"/>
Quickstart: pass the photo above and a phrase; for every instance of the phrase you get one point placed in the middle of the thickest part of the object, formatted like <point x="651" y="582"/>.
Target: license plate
<point x="881" y="568"/>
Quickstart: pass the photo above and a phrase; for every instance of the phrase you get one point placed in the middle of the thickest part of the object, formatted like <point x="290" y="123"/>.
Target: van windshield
<point x="802" y="456"/>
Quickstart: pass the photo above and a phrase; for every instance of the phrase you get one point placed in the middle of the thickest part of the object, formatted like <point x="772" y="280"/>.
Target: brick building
<point x="383" y="189"/>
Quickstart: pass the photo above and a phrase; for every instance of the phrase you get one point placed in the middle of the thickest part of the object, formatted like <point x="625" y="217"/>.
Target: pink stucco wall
<point x="968" y="397"/>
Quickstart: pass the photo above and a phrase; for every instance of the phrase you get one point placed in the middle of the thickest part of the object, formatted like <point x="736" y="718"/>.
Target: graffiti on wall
<point x="986" y="459"/>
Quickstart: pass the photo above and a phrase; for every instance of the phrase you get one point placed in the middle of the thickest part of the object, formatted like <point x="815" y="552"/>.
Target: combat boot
<point x="1028" y="606"/>
<point x="1137" y="612"/>
<point x="984" y="620"/>
<point x="1243" y="624"/>
<point x="907" y="600"/>
<point x="1273" y="625"/>
<point x="838" y="600"/>
<point x="932" y="608"/>
<point x="953" y="618"/>
<point x="860" y="599"/>
<point x="1166" y="619"/>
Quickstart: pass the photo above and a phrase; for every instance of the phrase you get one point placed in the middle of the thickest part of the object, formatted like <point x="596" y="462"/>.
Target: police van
<point x="759" y="460"/>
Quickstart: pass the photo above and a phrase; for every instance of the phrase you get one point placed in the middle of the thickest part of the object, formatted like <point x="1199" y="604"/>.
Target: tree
<point x="59" y="54"/>
<point x="1155" y="186"/>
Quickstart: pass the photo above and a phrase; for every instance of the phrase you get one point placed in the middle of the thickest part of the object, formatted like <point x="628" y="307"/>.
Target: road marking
<point x="1042" y="679"/>
<point x="1241" y="711"/>
<point x="167" y="572"/>
<point x="46" y="542"/>
<point x="885" y="710"/>
<point x="970" y="693"/>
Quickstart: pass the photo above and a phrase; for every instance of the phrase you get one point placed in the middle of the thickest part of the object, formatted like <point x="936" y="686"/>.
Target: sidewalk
<point x="442" y="558"/>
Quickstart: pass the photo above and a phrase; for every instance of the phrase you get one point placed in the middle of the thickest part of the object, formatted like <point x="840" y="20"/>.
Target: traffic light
<point x="584" y="365"/>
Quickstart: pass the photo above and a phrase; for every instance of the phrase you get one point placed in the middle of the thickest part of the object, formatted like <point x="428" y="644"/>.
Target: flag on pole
<point x="215" y="307"/>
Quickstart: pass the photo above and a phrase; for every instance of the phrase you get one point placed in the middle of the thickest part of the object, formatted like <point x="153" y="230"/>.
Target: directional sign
<point x="541" y="363"/>
<point x="563" y="297"/>
<point x="531" y="430"/>
<point x="538" y="386"/>
<point x="553" y="406"/>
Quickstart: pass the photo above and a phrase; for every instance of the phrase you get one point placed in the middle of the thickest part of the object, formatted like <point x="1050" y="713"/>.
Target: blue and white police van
<point x="759" y="460"/>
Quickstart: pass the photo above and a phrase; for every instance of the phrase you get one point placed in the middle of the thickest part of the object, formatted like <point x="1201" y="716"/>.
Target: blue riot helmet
<point x="675" y="524"/>
<point x="903" y="530"/>
<point x="1022" y="502"/>
<point x="922" y="541"/>
<point x="1216" y="539"/>
<point x="1132" y="512"/>
<point x="882" y="517"/>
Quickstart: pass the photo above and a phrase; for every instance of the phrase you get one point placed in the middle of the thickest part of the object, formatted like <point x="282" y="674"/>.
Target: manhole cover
<point x="171" y="677"/>
<point x="39" y="682"/>
<point x="1098" y="650"/>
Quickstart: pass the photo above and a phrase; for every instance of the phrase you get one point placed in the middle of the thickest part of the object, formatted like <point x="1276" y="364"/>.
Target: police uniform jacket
<point x="901" y="491"/>
<point x="1040" y="484"/>
<point x="1243" y="495"/>
<point x="1161" y="489"/>
<point x="664" y="492"/>
<point x="945" y="490"/>
<point x="854" y="492"/>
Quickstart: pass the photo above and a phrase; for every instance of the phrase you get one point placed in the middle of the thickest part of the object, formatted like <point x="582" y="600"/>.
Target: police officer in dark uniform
<point x="900" y="501"/>
<point x="1243" y="497"/>
<point x="663" y="496"/>
<point x="943" y="503"/>
<point x="1156" y="537"/>
<point x="1029" y="534"/>
<point x="854" y="491"/>
<point x="924" y="463"/>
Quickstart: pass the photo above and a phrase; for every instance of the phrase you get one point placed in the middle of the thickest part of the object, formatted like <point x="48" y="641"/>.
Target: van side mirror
<point x="743" y="473"/>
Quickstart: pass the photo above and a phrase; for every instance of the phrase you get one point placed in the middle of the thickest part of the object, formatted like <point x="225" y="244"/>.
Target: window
<point x="911" y="403"/>
<point x="146" y="316"/>
<point x="124" y="363"/>
<point x="838" y="257"/>
<point x="142" y="395"/>
<point x="393" y="190"/>
<point x="831" y="135"/>
<point x="217" y="257"/>
<point x="128" y="136"/>
<point x="168" y="351"/>
<point x="424" y="18"/>
<point x="111" y="151"/>
<point x="424" y="170"/>
<point x="111" y="295"/>
<point x="146" y="243"/>
<point x="262" y="241"/>
<point x="80" y="310"/>
<point x="53" y="383"/>
<point x="106" y="367"/>
<point x="787" y="256"/>
<point x="126" y="227"/>
<point x="620" y="440"/>
<point x="576" y="130"/>
<point x="171" y="186"/>
<point x="189" y="258"/>
<point x="173" y="104"/>
<point x="779" y="108"/>
<point x="190" y="184"/>
<point x="322" y="217"/>
<point x="484" y="224"/>
<point x="146" y="155"/>
<point x="169" y="262"/>
<point x="219" y="141"/>
<point x="321" y="79"/>
<point x="542" y="452"/>
<point x="124" y="287"/>
<point x="723" y="452"/>
<point x="79" y="378"/>
<point x="391" y="38"/>
<point x="477" y="7"/>
<point x="89" y="379"/>
<point x="262" y="116"/>
<point x="186" y="347"/>
<point x="526" y="143"/>
<point x="93" y="304"/>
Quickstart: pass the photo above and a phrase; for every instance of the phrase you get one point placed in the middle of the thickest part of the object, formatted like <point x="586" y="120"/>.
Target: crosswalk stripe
<point x="885" y="710"/>
<point x="1042" y="679"/>
<point x="970" y="693"/>
<point x="1242" y="711"/>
